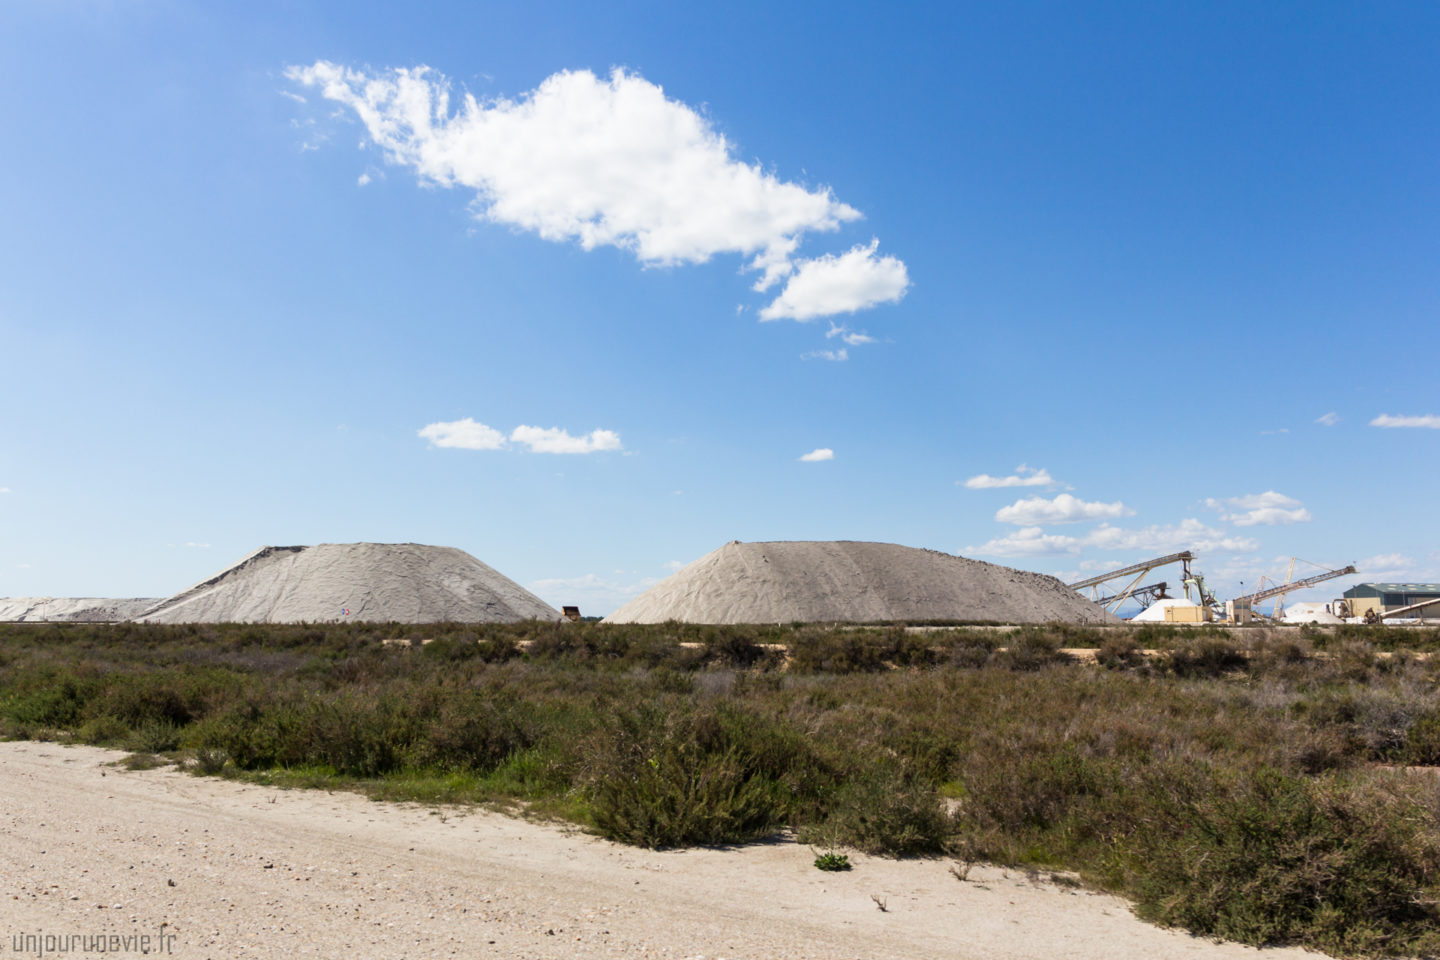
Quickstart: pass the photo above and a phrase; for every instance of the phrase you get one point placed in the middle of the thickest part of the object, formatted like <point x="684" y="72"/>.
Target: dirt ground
<point x="223" y="869"/>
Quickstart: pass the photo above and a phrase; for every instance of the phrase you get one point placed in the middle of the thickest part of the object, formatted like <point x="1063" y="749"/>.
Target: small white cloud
<point x="830" y="285"/>
<point x="1270" y="517"/>
<point x="1261" y="509"/>
<point x="1271" y="433"/>
<point x="362" y="180"/>
<point x="1022" y="477"/>
<point x="1428" y="421"/>
<point x="1329" y="419"/>
<point x="1034" y="511"/>
<point x="198" y="546"/>
<point x="674" y="565"/>
<point x="1029" y="542"/>
<point x="556" y="440"/>
<point x="1100" y="566"/>
<point x="819" y="453"/>
<point x="293" y="96"/>
<point x="463" y="435"/>
<point x="838" y="356"/>
<point x="6" y="490"/>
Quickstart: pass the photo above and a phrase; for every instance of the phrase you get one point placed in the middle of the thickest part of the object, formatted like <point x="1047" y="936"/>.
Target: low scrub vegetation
<point x="1255" y="791"/>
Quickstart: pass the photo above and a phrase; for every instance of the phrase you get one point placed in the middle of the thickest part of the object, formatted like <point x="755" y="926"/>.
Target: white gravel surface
<point x="404" y="582"/>
<point x="233" y="870"/>
<point x="846" y="580"/>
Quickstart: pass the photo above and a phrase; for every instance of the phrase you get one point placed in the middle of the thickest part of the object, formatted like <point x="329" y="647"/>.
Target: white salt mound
<point x="404" y="582"/>
<point x="72" y="609"/>
<point x="844" y="580"/>
<point x="1155" y="613"/>
<point x="1309" y="612"/>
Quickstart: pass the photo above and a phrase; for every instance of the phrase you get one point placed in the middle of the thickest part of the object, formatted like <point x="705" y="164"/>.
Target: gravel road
<point x="224" y="870"/>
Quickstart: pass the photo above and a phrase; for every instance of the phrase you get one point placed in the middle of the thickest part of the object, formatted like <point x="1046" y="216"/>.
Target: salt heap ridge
<point x="401" y="582"/>
<point x="851" y="581"/>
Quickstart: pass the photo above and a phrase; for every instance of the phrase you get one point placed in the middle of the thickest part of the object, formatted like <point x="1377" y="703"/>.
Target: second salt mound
<point x="854" y="582"/>
<point x="400" y="582"/>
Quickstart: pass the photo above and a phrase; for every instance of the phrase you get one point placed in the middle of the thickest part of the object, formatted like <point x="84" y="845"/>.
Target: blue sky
<point x="1176" y="261"/>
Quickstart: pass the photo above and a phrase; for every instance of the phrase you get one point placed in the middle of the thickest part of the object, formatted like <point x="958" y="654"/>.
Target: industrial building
<point x="1391" y="599"/>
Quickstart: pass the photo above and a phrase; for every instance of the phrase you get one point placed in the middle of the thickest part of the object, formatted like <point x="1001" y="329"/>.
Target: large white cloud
<point x="1022" y="477"/>
<point x="1033" y="511"/>
<point x="556" y="440"/>
<point x="1188" y="534"/>
<point x="612" y="162"/>
<point x="464" y="435"/>
<point x="1262" y="509"/>
<point x="853" y="281"/>
<point x="1429" y="420"/>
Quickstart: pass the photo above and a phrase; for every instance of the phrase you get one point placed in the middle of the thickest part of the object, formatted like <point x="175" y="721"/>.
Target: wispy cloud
<point x="595" y="595"/>
<point x="819" y="453"/>
<point x="836" y="356"/>
<point x="1188" y="533"/>
<point x="613" y="162"/>
<point x="850" y="337"/>
<point x="1261" y="509"/>
<point x="1385" y="565"/>
<point x="6" y="490"/>
<point x="1159" y="538"/>
<point x="1022" y="477"/>
<point x="467" y="434"/>
<point x="1064" y="508"/>
<point x="1329" y="419"/>
<point x="555" y="440"/>
<point x="828" y="285"/>
<point x="1429" y="421"/>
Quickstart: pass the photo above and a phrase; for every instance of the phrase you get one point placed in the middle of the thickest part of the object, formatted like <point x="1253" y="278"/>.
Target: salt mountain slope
<point x="820" y="581"/>
<point x="72" y="609"/>
<point x="404" y="582"/>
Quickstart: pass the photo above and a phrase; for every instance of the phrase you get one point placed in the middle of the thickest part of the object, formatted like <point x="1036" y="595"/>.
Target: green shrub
<point x="1204" y="656"/>
<point x="1277" y="859"/>
<point x="685" y="776"/>
<point x="884" y="810"/>
<point x="1030" y="648"/>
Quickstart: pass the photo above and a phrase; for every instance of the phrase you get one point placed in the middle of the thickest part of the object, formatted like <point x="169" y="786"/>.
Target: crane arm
<point x="1259" y="595"/>
<point x="1143" y="567"/>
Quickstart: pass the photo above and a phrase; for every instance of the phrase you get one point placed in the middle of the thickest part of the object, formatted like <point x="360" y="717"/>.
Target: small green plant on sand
<point x="830" y="860"/>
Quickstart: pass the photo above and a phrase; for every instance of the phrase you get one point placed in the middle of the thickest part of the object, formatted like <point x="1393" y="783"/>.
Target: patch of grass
<point x="831" y="861"/>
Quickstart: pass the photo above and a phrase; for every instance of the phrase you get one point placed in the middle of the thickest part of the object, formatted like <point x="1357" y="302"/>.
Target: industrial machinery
<point x="1132" y="589"/>
<point x="1238" y="610"/>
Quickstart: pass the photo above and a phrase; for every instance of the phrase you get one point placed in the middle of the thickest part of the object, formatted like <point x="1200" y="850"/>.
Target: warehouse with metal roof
<point x="1386" y="598"/>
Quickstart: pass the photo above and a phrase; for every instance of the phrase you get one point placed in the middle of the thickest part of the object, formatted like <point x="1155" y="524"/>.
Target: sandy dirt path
<point x="236" y="870"/>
